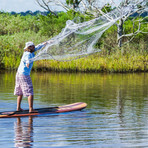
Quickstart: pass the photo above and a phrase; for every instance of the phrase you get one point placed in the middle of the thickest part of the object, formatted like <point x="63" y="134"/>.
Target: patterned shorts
<point x="23" y="85"/>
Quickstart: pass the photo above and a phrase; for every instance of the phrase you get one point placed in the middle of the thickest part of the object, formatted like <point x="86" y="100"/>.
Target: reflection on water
<point x="116" y="115"/>
<point x="23" y="133"/>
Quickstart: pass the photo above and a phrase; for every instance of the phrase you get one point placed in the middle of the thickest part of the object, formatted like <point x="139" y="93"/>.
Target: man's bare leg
<point x="30" y="102"/>
<point x="19" y="100"/>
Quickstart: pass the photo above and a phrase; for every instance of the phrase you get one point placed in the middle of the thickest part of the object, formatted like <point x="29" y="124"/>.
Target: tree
<point x="73" y="3"/>
<point x="66" y="4"/>
<point x="45" y="5"/>
<point x="137" y="20"/>
<point x="97" y="8"/>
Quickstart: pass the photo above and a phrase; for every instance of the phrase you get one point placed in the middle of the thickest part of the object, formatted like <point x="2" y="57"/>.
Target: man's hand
<point x="45" y="43"/>
<point x="51" y="41"/>
<point x="27" y="65"/>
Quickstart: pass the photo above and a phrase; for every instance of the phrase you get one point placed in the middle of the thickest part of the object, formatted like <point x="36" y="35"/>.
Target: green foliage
<point x="15" y="30"/>
<point x="11" y="47"/>
<point x="51" y="25"/>
<point x="107" y="8"/>
<point x="115" y="62"/>
<point x="108" y="41"/>
<point x="74" y="3"/>
<point x="11" y="24"/>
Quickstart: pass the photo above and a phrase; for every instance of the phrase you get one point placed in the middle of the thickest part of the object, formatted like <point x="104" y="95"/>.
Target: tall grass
<point x="16" y="30"/>
<point x="12" y="47"/>
<point x="116" y="62"/>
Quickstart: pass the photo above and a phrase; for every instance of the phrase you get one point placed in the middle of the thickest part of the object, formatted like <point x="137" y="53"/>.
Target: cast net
<point x="77" y="40"/>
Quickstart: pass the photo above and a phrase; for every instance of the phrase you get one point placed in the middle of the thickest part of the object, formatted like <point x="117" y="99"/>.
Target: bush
<point x="15" y="30"/>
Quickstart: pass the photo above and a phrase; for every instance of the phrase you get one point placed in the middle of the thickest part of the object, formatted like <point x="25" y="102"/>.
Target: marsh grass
<point x="119" y="60"/>
<point x="116" y="62"/>
<point x="16" y="30"/>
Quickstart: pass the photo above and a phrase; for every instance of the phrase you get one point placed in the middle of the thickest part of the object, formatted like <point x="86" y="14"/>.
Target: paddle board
<point x="49" y="110"/>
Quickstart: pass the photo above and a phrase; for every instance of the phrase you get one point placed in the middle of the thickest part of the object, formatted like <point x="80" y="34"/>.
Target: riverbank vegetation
<point x="15" y="30"/>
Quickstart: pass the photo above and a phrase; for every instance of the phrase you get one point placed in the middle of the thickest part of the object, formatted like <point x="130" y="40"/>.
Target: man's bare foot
<point x="33" y="111"/>
<point x="19" y="110"/>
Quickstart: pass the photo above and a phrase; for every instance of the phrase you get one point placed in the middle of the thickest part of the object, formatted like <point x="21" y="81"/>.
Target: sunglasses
<point x="32" y="46"/>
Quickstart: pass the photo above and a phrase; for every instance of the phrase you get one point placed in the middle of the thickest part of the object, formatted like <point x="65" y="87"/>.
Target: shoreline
<point x="91" y="64"/>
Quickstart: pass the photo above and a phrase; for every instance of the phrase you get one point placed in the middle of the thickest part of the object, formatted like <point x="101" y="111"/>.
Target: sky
<point x="19" y="5"/>
<point x="25" y="5"/>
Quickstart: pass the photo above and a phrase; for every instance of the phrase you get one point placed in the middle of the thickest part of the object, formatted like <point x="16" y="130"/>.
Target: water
<point x="116" y="115"/>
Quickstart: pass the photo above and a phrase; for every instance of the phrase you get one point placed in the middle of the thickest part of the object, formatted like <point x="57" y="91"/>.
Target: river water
<point x="116" y="115"/>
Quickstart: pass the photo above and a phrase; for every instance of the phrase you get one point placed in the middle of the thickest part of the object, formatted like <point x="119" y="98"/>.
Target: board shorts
<point x="23" y="85"/>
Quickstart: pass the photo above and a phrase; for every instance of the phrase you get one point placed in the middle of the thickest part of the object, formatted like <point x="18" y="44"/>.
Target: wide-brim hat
<point x="27" y="44"/>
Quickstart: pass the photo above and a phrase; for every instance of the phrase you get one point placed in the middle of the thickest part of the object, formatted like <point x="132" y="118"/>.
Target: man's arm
<point x="38" y="47"/>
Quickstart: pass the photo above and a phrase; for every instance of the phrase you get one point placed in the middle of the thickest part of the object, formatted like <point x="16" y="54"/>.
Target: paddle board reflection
<point x="23" y="133"/>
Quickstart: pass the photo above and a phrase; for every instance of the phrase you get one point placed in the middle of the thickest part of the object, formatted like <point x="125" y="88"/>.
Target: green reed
<point x="97" y="63"/>
<point x="131" y="58"/>
<point x="93" y="63"/>
<point x="16" y="30"/>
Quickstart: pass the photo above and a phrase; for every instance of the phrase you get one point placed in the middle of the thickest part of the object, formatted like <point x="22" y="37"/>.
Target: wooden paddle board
<point x="59" y="109"/>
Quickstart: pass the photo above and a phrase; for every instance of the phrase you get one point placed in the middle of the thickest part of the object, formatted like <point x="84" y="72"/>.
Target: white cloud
<point x="19" y="5"/>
